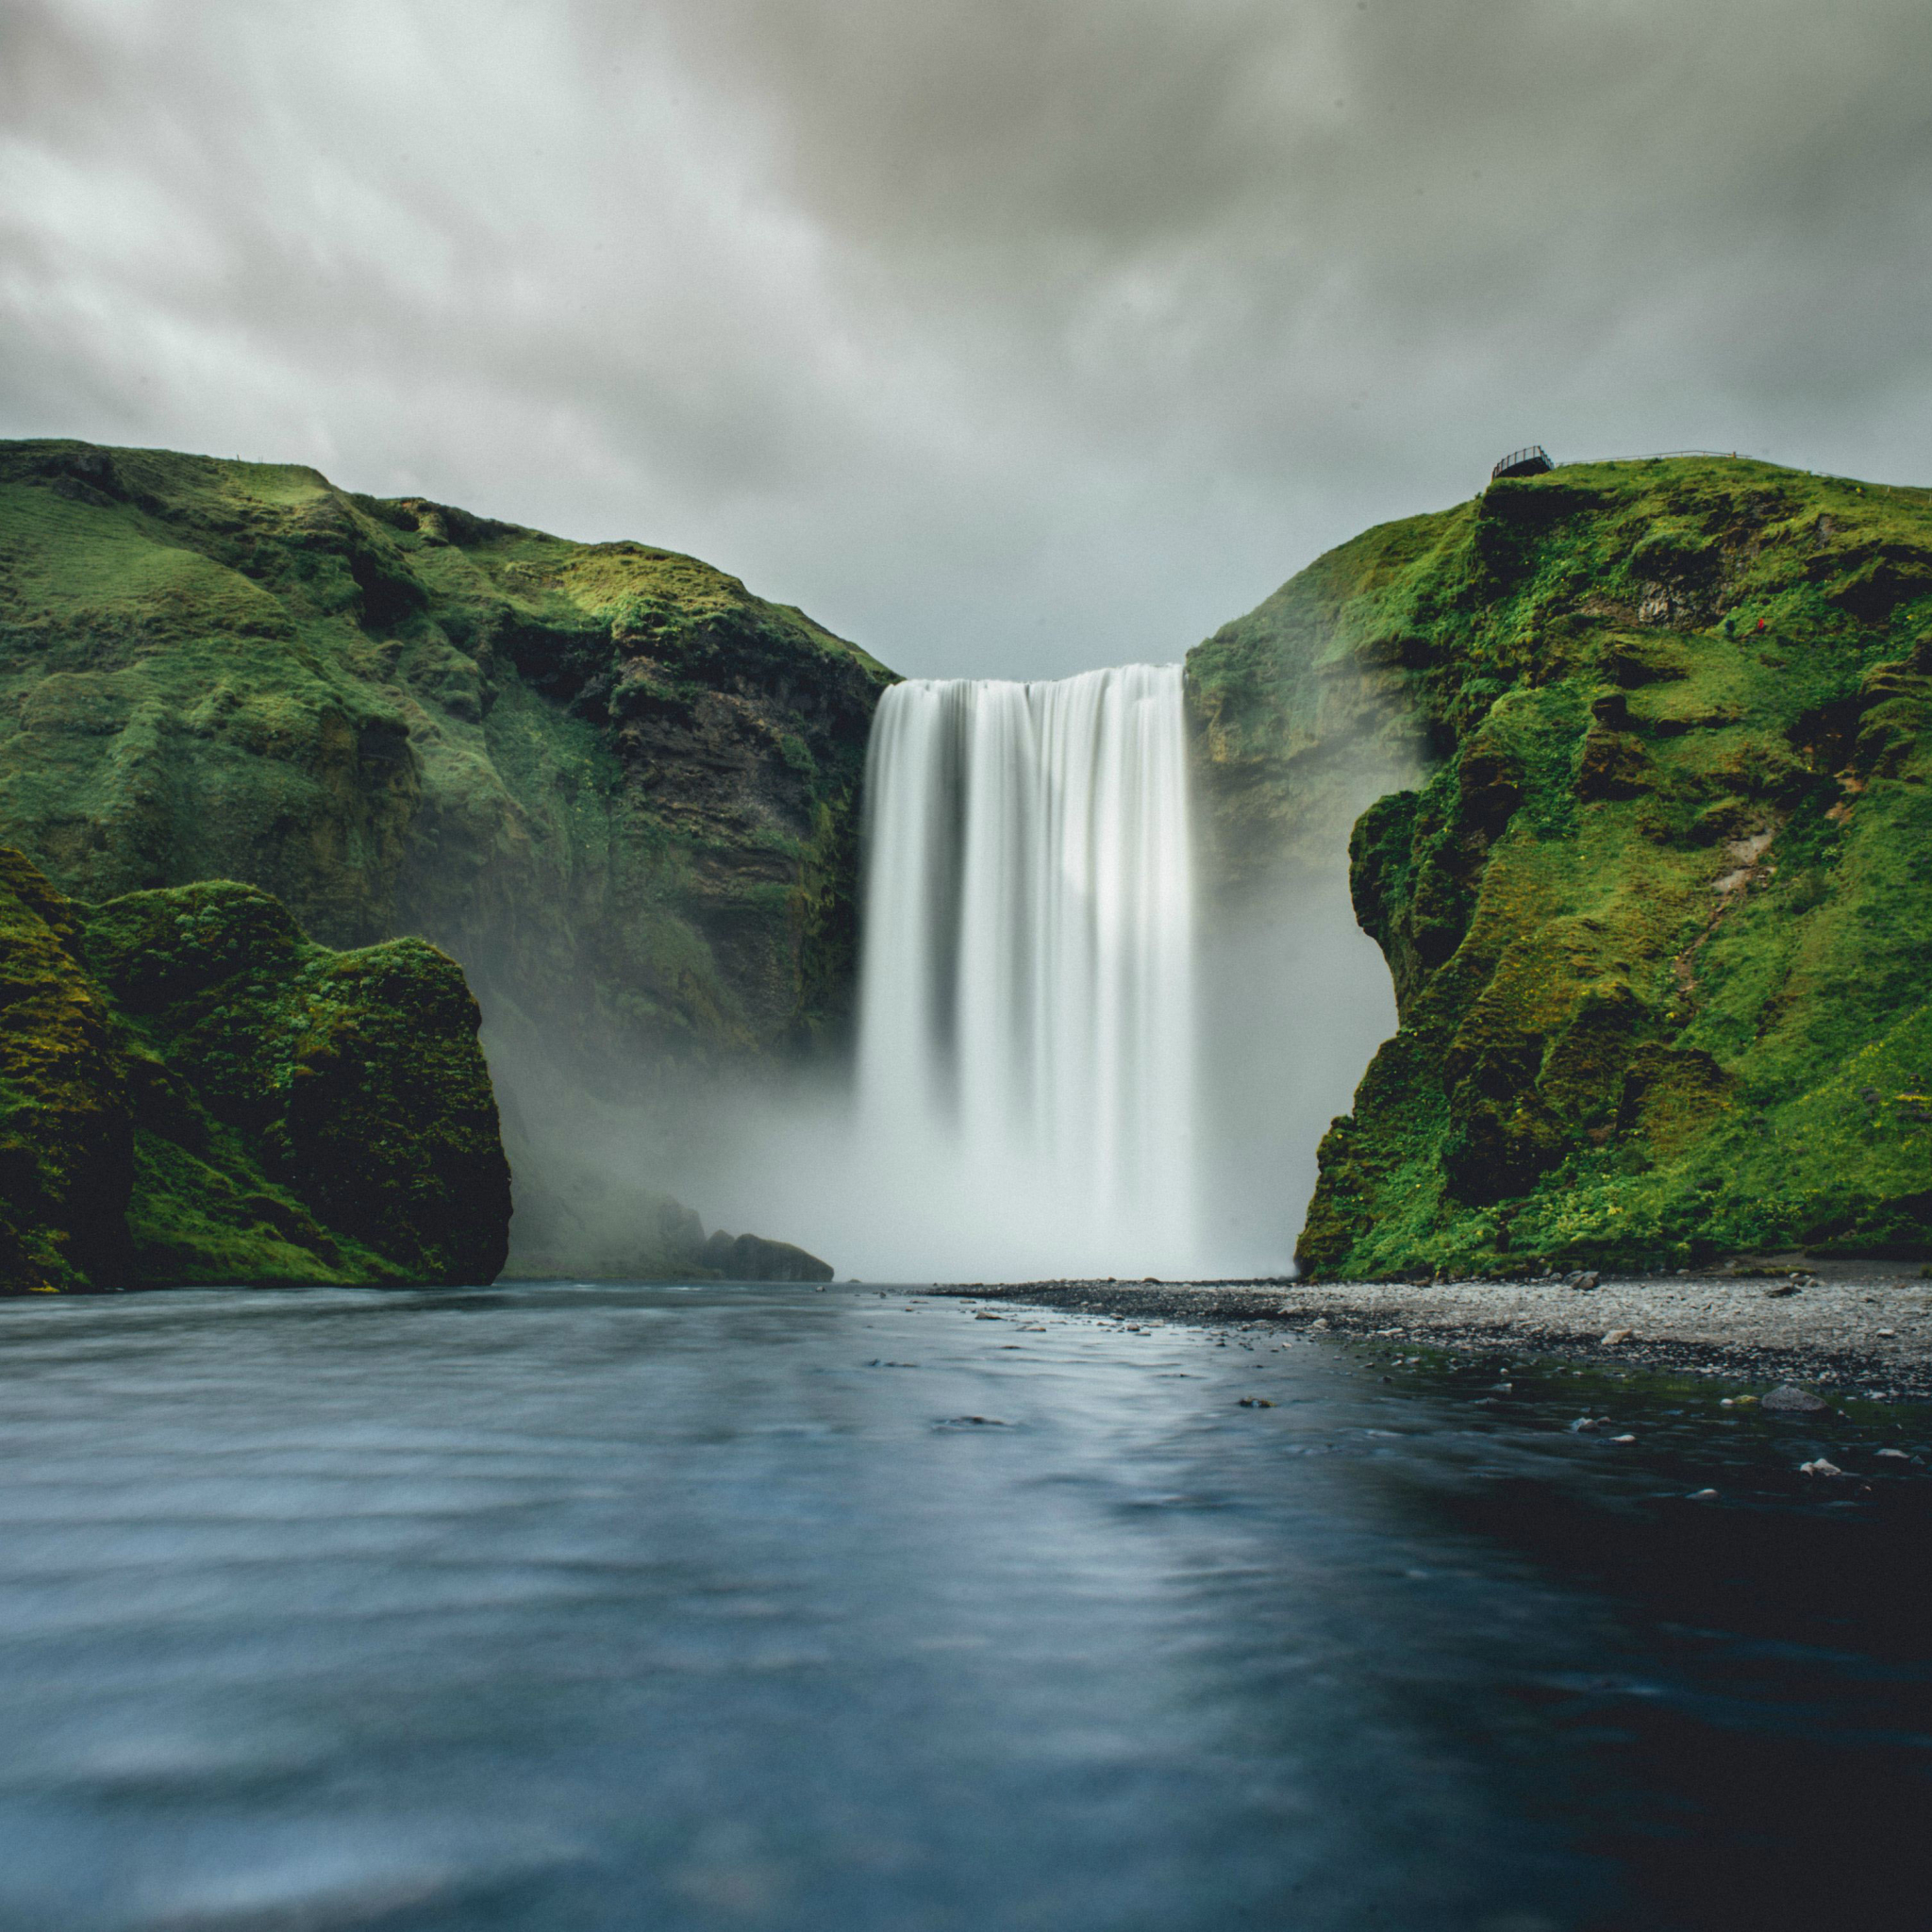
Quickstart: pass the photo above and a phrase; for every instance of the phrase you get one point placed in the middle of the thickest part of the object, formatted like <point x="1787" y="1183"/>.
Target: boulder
<point x="1789" y="1399"/>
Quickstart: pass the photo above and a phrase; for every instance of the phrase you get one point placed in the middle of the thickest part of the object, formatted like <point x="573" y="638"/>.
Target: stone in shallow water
<point x="1788" y="1399"/>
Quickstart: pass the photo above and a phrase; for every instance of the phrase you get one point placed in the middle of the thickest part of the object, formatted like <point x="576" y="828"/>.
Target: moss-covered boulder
<point x="1659" y="914"/>
<point x="191" y="1091"/>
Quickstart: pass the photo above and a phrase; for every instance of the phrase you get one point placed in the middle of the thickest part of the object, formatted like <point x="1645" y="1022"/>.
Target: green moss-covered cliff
<point x="1659" y="914"/>
<point x="617" y="787"/>
<point x="608" y="779"/>
<point x="191" y="1091"/>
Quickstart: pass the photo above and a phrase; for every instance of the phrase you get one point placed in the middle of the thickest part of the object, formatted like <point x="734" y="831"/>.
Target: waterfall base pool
<point x="562" y="1610"/>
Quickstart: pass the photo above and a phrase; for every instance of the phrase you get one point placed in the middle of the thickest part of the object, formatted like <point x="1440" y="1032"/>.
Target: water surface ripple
<point x="562" y="1610"/>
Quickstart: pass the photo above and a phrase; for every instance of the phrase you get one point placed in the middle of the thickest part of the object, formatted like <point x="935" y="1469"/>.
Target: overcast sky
<point x="1008" y="336"/>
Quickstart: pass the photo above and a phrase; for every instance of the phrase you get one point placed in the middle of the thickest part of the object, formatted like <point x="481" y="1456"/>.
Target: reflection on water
<point x="641" y="1607"/>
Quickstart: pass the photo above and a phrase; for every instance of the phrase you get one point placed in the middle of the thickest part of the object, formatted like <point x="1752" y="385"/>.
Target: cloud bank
<point x="1009" y="337"/>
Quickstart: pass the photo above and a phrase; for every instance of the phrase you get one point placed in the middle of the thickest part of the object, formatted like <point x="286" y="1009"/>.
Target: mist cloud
<point x="1008" y="336"/>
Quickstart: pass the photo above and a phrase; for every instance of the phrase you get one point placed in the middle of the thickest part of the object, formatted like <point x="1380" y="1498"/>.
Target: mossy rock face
<point x="614" y="784"/>
<point x="66" y="1134"/>
<point x="194" y="1094"/>
<point x="1656" y="910"/>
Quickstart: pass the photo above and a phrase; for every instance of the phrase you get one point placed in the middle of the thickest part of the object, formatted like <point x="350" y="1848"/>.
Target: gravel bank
<point x="1854" y="1329"/>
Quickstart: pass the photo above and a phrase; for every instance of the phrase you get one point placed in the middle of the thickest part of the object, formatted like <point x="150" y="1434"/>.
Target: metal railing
<point x="1534" y="460"/>
<point x="1530" y="461"/>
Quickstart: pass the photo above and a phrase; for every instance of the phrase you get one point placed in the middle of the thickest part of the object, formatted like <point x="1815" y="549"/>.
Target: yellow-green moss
<point x="66" y="1153"/>
<point x="191" y="1092"/>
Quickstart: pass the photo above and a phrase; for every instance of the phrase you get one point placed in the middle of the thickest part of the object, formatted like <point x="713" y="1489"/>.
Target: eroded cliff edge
<point x="612" y="783"/>
<point x="1659" y="914"/>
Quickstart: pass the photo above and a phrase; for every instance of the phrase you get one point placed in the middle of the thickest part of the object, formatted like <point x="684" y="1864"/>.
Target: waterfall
<point x="1027" y="997"/>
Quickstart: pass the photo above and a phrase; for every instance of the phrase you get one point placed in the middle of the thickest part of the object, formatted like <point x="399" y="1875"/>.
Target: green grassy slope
<point x="191" y="1091"/>
<point x="606" y="777"/>
<point x="1660" y="918"/>
<point x="616" y="785"/>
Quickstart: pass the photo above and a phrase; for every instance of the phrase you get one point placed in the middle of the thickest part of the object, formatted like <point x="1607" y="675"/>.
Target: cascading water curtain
<point x="1026" y="1008"/>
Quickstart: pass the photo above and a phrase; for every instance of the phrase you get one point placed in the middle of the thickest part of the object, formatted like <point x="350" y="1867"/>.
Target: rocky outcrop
<point x="1656" y="914"/>
<point x="751" y="1258"/>
<point x="616" y="785"/>
<point x="191" y="1092"/>
<point x="605" y="1227"/>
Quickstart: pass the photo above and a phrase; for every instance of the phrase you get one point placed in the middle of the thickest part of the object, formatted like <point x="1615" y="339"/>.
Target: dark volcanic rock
<point x="751" y="1258"/>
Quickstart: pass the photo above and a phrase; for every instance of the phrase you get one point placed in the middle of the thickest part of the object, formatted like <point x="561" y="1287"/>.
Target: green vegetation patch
<point x="617" y="785"/>
<point x="191" y="1091"/>
<point x="1658" y="908"/>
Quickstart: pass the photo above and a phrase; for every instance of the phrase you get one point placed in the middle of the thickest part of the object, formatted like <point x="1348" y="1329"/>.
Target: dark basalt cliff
<point x="191" y="1092"/>
<point x="1659" y="912"/>
<point x="616" y="785"/>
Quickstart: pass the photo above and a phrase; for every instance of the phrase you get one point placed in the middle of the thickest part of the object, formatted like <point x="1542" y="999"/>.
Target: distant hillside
<point x="1660" y="917"/>
<point x="616" y="785"/>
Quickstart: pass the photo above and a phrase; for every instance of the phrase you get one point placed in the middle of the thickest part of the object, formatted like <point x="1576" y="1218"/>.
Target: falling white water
<point x="1027" y="997"/>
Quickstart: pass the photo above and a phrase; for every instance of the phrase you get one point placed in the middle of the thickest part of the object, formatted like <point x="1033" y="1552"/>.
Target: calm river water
<point x="562" y="1610"/>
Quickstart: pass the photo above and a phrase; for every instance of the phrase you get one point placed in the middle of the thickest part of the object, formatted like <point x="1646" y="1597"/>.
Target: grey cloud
<point x="1011" y="336"/>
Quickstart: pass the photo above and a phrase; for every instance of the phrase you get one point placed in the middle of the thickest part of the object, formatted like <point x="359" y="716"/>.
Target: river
<point x="570" y="1609"/>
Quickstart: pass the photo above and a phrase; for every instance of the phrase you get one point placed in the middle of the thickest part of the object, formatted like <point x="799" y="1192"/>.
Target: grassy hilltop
<point x="608" y="779"/>
<point x="1660" y="918"/>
